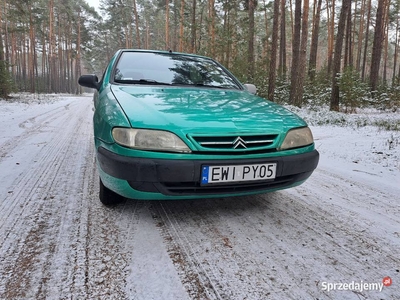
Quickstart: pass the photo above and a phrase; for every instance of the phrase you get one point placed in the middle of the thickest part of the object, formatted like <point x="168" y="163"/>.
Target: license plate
<point x="237" y="173"/>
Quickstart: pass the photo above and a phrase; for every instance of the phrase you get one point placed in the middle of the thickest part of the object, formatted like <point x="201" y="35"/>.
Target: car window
<point x="171" y="69"/>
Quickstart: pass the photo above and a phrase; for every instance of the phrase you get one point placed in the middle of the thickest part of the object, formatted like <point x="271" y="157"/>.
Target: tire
<point x="108" y="197"/>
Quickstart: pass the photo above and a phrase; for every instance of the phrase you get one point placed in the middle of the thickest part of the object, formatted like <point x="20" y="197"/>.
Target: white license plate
<point x="237" y="173"/>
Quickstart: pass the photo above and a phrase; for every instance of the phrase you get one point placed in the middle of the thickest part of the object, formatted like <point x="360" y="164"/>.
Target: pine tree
<point x="338" y="54"/>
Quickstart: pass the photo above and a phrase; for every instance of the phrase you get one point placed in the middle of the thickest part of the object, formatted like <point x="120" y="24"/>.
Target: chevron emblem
<point x="239" y="142"/>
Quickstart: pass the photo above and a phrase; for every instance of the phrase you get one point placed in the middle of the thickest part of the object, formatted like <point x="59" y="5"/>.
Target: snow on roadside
<point x="320" y="116"/>
<point x="367" y="137"/>
<point x="29" y="98"/>
<point x="367" y="146"/>
<point x="20" y="108"/>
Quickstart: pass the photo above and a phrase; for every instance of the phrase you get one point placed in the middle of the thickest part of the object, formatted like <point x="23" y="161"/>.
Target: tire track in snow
<point x="151" y="273"/>
<point x="198" y="281"/>
<point x="71" y="226"/>
<point x="321" y="248"/>
<point x="370" y="213"/>
<point x="36" y="125"/>
<point x="35" y="210"/>
<point x="58" y="240"/>
<point x="105" y="257"/>
<point x="29" y="185"/>
<point x="275" y="246"/>
<point x="221" y="242"/>
<point x="377" y="199"/>
<point x="348" y="232"/>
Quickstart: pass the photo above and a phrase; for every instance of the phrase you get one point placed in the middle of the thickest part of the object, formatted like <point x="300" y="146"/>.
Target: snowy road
<point x="58" y="242"/>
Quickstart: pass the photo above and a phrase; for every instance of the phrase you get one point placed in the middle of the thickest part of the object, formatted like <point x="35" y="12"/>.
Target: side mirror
<point x="251" y="88"/>
<point x="89" y="81"/>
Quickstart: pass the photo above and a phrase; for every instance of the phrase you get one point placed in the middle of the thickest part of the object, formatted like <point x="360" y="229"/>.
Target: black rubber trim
<point x="182" y="177"/>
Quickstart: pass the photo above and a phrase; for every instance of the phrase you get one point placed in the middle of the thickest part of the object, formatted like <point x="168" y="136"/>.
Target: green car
<point x="180" y="126"/>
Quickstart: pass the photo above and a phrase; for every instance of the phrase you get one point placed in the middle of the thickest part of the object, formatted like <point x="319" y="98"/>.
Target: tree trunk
<point x="386" y="48"/>
<point x="44" y="59"/>
<point x="227" y="34"/>
<point x="167" y="41"/>
<point x="24" y="64"/>
<point x="175" y="30"/>
<point x="291" y="17"/>
<point x="295" y="51"/>
<point x="181" y="25"/>
<point x="338" y="54"/>
<point x="4" y="84"/>
<point x="211" y="27"/>
<point x="31" y="54"/>
<point x="331" y="34"/>
<point x="314" y="40"/>
<point x="282" y="47"/>
<point x="60" y="81"/>
<point x="360" y="35"/>
<point x="6" y="33"/>
<point x="250" y="50"/>
<point x="348" y="61"/>
<point x="232" y="34"/>
<point x="396" y="50"/>
<point x="377" y="46"/>
<point x="147" y="42"/>
<point x="137" y="25"/>
<point x="193" y="28"/>
<point x="265" y="53"/>
<point x="300" y="76"/>
<point x="52" y="51"/>
<point x="274" y="47"/>
<point x="78" y="54"/>
<point x="67" y="58"/>
<point x="366" y="41"/>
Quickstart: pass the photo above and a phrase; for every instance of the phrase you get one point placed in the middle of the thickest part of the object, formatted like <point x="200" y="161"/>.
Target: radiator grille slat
<point x="235" y="142"/>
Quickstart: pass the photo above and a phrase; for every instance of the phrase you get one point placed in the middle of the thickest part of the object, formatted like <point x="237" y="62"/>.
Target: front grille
<point x="235" y="143"/>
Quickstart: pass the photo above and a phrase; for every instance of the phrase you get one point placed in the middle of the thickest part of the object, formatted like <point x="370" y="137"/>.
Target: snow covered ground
<point x="335" y="237"/>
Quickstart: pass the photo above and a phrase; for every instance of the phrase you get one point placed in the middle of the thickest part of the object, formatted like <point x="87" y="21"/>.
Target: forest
<point x="344" y="54"/>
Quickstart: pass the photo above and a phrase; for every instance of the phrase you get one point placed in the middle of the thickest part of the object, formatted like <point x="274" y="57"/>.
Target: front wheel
<point x="108" y="197"/>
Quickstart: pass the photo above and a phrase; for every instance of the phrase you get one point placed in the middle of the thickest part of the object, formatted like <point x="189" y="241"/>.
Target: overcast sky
<point x="94" y="3"/>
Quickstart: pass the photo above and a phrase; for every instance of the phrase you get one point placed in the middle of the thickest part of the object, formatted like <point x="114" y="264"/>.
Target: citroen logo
<point x="239" y="142"/>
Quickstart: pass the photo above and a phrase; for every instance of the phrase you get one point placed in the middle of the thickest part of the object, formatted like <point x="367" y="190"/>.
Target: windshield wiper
<point x="214" y="86"/>
<point x="141" y="81"/>
<point x="155" y="82"/>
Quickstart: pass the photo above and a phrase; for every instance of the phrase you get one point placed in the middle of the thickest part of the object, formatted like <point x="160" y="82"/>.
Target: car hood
<point x="200" y="110"/>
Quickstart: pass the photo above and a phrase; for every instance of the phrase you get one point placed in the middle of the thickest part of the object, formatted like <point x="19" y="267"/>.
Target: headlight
<point x="297" y="138"/>
<point x="145" y="139"/>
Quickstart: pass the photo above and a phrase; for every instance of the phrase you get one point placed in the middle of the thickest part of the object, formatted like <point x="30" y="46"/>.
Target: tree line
<point x="292" y="44"/>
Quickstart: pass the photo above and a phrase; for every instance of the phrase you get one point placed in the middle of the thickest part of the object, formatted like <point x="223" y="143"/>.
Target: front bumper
<point x="179" y="178"/>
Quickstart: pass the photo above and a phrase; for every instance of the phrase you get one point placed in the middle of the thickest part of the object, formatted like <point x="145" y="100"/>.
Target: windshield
<point x="171" y="69"/>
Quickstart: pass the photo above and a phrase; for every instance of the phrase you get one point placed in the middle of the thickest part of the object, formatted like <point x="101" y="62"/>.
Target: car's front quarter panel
<point x="107" y="115"/>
